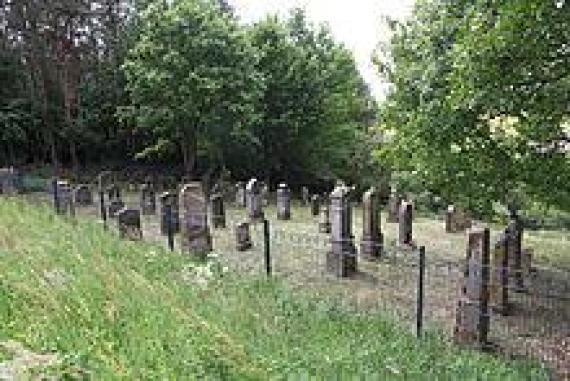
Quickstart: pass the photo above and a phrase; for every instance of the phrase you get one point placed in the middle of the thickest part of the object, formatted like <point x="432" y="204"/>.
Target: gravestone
<point x="283" y="202"/>
<point x="305" y="196"/>
<point x="265" y="194"/>
<point x="148" y="199"/>
<point x="9" y="181"/>
<point x="254" y="203"/>
<point x="217" y="207"/>
<point x="240" y="195"/>
<point x="83" y="195"/>
<point x="341" y="259"/>
<point x="405" y="225"/>
<point x="195" y="233"/>
<point x="64" y="198"/>
<point x="104" y="180"/>
<point x="243" y="238"/>
<point x="113" y="192"/>
<point x="514" y="233"/>
<point x="499" y="284"/>
<point x="526" y="262"/>
<point x="324" y="219"/>
<point x="472" y="318"/>
<point x="169" y="198"/>
<point x="456" y="220"/>
<point x="115" y="205"/>
<point x="394" y="207"/>
<point x="315" y="204"/>
<point x="129" y="221"/>
<point x="372" y="239"/>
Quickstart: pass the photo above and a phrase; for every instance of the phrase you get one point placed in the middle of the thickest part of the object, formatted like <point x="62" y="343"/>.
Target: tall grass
<point x="110" y="309"/>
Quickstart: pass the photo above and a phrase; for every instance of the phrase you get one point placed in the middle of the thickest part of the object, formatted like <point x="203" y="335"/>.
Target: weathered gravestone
<point x="104" y="180"/>
<point x="240" y="195"/>
<point x="514" y="233"/>
<point x="148" y="199"/>
<point x="64" y="202"/>
<point x="499" y="284"/>
<point x="283" y="202"/>
<point x="456" y="220"/>
<point x="315" y="204"/>
<point x="169" y="199"/>
<point x="113" y="192"/>
<point x="405" y="221"/>
<point x="9" y="181"/>
<point x="341" y="259"/>
<point x="243" y="238"/>
<point x="115" y="205"/>
<point x="472" y="319"/>
<point x="254" y="203"/>
<point x="265" y="194"/>
<point x="394" y="207"/>
<point x="83" y="195"/>
<point x="217" y="207"/>
<point x="195" y="233"/>
<point x="305" y="196"/>
<point x="372" y="239"/>
<point x="324" y="219"/>
<point x="129" y="221"/>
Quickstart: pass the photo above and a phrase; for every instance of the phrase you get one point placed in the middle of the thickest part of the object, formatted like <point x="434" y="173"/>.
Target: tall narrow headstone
<point x="394" y="207"/>
<point x="514" y="233"/>
<point x="283" y="202"/>
<point x="129" y="221"/>
<point x="169" y="198"/>
<point x="341" y="259"/>
<point x="372" y="239"/>
<point x="240" y="195"/>
<point x="218" y="209"/>
<point x="265" y="194"/>
<point x="195" y="233"/>
<point x="65" y="198"/>
<point x="324" y="218"/>
<point x="315" y="204"/>
<point x="148" y="199"/>
<point x="115" y="205"/>
<point x="254" y="203"/>
<point x="405" y="224"/>
<point x="305" y="196"/>
<point x="499" y="284"/>
<point x="243" y="238"/>
<point x="83" y="195"/>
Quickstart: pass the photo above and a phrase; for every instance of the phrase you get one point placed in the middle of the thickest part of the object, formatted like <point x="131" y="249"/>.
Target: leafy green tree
<point x="480" y="100"/>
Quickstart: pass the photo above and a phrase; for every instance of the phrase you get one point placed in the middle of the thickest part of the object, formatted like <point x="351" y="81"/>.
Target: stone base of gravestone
<point x="243" y="238"/>
<point x="129" y="221"/>
<point x="499" y="284"/>
<point x="342" y="264"/>
<point x="371" y="248"/>
<point x="114" y="207"/>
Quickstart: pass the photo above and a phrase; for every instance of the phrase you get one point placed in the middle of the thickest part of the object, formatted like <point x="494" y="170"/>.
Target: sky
<point x="356" y="23"/>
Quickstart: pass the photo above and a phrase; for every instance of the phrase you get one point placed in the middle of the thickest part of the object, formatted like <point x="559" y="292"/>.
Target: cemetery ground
<point x="135" y="310"/>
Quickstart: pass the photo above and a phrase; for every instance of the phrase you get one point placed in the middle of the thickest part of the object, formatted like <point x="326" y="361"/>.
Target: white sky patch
<point x="356" y="23"/>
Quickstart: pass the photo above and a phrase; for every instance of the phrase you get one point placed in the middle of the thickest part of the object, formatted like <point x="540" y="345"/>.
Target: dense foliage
<point x="479" y="108"/>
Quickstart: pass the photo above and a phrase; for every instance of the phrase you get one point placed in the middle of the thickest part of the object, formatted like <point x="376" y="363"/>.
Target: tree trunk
<point x="74" y="159"/>
<point x="188" y="146"/>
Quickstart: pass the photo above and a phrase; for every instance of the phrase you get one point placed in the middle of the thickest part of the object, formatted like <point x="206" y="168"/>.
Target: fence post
<point x="266" y="240"/>
<point x="169" y="230"/>
<point x="102" y="208"/>
<point x="420" y="294"/>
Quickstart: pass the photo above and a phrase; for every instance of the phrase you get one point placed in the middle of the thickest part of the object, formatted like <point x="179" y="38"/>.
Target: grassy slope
<point x="120" y="310"/>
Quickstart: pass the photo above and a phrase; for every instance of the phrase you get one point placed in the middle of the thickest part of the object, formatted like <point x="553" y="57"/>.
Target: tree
<point x="480" y="99"/>
<point x="191" y="77"/>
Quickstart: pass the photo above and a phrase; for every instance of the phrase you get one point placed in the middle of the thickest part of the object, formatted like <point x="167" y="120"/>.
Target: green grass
<point x="111" y="309"/>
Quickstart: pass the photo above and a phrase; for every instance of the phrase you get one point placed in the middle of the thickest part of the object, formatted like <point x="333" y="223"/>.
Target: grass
<point x="110" y="309"/>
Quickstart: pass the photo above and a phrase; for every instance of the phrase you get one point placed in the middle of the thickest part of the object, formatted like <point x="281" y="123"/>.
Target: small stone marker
<point x="129" y="224"/>
<point x="499" y="285"/>
<point x="243" y="238"/>
<point x="195" y="233"/>
<point x="456" y="220"/>
<point x="115" y="205"/>
<point x="283" y="202"/>
<point x="472" y="320"/>
<point x="324" y="219"/>
<point x="83" y="195"/>
<point x="148" y="199"/>
<point x="169" y="198"/>
<point x="217" y="207"/>
<point x="372" y="239"/>
<point x="240" y="195"/>
<point x="405" y="225"/>
<point x="514" y="233"/>
<point x="305" y="196"/>
<point x="254" y="203"/>
<point x="315" y="204"/>
<point x="341" y="259"/>
<point x="394" y="207"/>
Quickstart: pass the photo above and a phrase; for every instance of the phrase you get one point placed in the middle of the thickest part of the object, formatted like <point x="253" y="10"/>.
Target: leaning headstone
<point x="315" y="204"/>
<point x="456" y="220"/>
<point x="129" y="221"/>
<point x="283" y="202"/>
<point x="196" y="238"/>
<point x="218" y="210"/>
<point x="472" y="319"/>
<point x="148" y="199"/>
<point x="514" y="233"/>
<point x="83" y="195"/>
<point x="243" y="238"/>
<point x="305" y="196"/>
<point x="115" y="205"/>
<point x="169" y="198"/>
<point x="405" y="219"/>
<point x="240" y="195"/>
<point x="372" y="240"/>
<point x="341" y="259"/>
<point x="324" y="219"/>
<point x="254" y="203"/>
<point x="499" y="285"/>
<point x="394" y="207"/>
